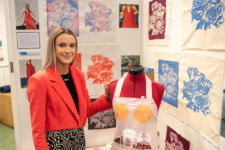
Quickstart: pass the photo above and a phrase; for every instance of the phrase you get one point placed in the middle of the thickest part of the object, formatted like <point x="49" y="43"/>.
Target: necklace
<point x="66" y="79"/>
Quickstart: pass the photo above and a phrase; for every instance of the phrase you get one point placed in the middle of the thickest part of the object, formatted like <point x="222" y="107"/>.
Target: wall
<point x="4" y="69"/>
<point x="125" y="39"/>
<point x="199" y="143"/>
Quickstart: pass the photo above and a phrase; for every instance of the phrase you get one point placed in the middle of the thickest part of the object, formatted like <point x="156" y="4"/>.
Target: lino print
<point x="102" y="120"/>
<point x="196" y="91"/>
<point x="208" y="13"/>
<point x="174" y="141"/>
<point x="63" y="13"/>
<point x="168" y="76"/>
<point x="157" y="19"/>
<point x="101" y="71"/>
<point x="98" y="18"/>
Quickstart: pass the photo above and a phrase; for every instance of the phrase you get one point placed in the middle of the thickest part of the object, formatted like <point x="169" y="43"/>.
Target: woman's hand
<point x="107" y="95"/>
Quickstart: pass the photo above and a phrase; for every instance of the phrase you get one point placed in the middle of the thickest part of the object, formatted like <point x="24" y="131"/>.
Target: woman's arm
<point x="135" y="10"/>
<point x="21" y="14"/>
<point x="122" y="11"/>
<point x="36" y="93"/>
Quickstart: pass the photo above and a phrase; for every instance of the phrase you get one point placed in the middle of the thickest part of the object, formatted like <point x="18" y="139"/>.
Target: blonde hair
<point x="50" y="57"/>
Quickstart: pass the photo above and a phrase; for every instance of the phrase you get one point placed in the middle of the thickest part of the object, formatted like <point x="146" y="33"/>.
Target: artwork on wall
<point x="203" y="25"/>
<point x="128" y="15"/>
<point x="127" y="61"/>
<point x="97" y="21"/>
<point x="28" y="67"/>
<point x="168" y="75"/>
<point x="63" y="13"/>
<point x="158" y="22"/>
<point x="102" y="120"/>
<point x="222" y="130"/>
<point x="199" y="89"/>
<point x="77" y="62"/>
<point x="100" y="63"/>
<point x="175" y="141"/>
<point x="28" y="40"/>
<point x="149" y="72"/>
<point x="26" y="14"/>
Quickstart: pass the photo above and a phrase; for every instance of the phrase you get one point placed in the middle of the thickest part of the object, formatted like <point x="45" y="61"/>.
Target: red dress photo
<point x="128" y="19"/>
<point x="29" y="21"/>
<point x="30" y="70"/>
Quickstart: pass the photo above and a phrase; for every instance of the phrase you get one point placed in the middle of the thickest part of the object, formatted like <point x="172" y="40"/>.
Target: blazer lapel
<point x="61" y="88"/>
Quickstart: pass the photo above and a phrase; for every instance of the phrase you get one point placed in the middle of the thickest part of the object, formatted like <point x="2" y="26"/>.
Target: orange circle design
<point x="143" y="114"/>
<point x="121" y="111"/>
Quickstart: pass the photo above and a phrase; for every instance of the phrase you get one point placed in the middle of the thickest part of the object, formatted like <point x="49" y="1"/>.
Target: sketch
<point x="28" y="10"/>
<point x="169" y="77"/>
<point x="157" y="19"/>
<point x="27" y="69"/>
<point x="196" y="91"/>
<point x="127" y="61"/>
<point x="175" y="141"/>
<point x="149" y="72"/>
<point x="208" y="13"/>
<point x="63" y="13"/>
<point x="77" y="62"/>
<point x="128" y="16"/>
<point x="101" y="71"/>
<point x="222" y="130"/>
<point x="98" y="18"/>
<point x="102" y="120"/>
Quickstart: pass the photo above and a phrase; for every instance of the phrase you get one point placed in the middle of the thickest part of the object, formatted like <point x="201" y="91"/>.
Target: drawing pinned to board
<point x="128" y="16"/>
<point x="102" y="120"/>
<point x="207" y="13"/>
<point x="101" y="71"/>
<point x="175" y="141"/>
<point x="149" y="72"/>
<point x="169" y="77"/>
<point x="77" y="62"/>
<point x="127" y="61"/>
<point x="222" y="129"/>
<point x="27" y="69"/>
<point x="63" y="13"/>
<point x="99" y="17"/>
<point x="28" y="10"/>
<point x="157" y="19"/>
<point x="196" y="91"/>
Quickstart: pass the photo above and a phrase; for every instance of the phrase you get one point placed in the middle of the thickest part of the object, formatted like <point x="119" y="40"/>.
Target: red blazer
<point x="52" y="106"/>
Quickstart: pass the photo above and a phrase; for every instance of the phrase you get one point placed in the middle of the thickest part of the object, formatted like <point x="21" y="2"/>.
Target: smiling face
<point x="65" y="50"/>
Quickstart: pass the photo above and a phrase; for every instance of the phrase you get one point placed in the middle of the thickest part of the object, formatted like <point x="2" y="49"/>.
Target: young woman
<point x="59" y="100"/>
<point x="30" y="25"/>
<point x="128" y="12"/>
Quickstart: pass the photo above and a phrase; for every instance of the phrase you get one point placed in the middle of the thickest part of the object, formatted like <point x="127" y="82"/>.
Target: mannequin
<point x="136" y="101"/>
<point x="134" y="85"/>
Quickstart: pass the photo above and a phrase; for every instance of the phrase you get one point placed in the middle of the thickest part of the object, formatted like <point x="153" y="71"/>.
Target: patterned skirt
<point x="70" y="139"/>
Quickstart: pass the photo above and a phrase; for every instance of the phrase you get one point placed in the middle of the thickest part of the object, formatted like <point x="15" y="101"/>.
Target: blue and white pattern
<point x="207" y="13"/>
<point x="168" y="76"/>
<point x="196" y="91"/>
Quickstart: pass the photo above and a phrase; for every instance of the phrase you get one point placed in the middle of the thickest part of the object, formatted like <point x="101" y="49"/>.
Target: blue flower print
<point x="207" y="13"/>
<point x="196" y="91"/>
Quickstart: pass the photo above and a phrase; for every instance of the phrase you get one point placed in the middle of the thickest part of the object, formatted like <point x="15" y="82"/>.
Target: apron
<point x="136" y="120"/>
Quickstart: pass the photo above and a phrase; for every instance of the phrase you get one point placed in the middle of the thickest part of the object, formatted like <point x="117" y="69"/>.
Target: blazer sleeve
<point x="36" y="93"/>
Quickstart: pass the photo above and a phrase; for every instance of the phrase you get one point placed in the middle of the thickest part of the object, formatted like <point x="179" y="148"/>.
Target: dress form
<point x="134" y="85"/>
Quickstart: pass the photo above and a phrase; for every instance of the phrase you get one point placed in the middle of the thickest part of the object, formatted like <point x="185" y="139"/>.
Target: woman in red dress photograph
<point x="28" y="19"/>
<point x="128" y="12"/>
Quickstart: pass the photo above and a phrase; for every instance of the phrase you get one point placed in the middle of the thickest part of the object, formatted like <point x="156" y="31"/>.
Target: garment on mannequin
<point x="136" y="100"/>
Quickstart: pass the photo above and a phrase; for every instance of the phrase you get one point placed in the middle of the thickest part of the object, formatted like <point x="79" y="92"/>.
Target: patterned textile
<point x="71" y="139"/>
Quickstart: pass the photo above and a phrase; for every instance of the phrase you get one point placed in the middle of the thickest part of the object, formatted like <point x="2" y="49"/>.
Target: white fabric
<point x="132" y="104"/>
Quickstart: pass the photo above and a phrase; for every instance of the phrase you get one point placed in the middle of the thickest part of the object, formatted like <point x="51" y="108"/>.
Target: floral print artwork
<point x="157" y="19"/>
<point x="101" y="71"/>
<point x="175" y="141"/>
<point x="169" y="77"/>
<point x="63" y="13"/>
<point x="208" y="13"/>
<point x="98" y="18"/>
<point x="196" y="91"/>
